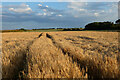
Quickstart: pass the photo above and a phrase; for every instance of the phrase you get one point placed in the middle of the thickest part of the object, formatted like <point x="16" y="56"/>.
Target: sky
<point x="36" y="15"/>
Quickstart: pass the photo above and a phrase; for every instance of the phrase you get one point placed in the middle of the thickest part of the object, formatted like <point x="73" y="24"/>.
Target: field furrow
<point x="14" y="57"/>
<point x="99" y="65"/>
<point x="60" y="55"/>
<point x="47" y="61"/>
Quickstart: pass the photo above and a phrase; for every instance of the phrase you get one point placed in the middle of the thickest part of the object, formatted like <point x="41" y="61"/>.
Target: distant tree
<point x="22" y="29"/>
<point x="99" y="26"/>
<point x="118" y="21"/>
<point x="66" y="29"/>
<point x="59" y="28"/>
<point x="72" y="29"/>
<point x="51" y="28"/>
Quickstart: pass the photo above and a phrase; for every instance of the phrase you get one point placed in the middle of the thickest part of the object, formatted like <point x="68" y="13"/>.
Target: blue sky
<point x="32" y="15"/>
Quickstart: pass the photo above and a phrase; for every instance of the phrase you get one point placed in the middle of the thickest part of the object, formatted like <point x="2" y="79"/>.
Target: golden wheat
<point x="84" y="54"/>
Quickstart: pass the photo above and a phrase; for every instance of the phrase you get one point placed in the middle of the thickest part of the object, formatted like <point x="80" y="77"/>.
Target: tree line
<point x="103" y="25"/>
<point x="91" y="26"/>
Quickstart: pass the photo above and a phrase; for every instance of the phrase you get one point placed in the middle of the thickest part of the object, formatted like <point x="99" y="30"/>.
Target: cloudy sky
<point x="35" y="15"/>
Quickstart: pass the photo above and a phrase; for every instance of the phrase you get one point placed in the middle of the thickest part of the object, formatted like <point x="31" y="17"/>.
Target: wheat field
<point x="78" y="54"/>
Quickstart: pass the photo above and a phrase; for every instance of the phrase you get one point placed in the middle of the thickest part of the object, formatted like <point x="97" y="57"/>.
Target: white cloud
<point x="59" y="15"/>
<point x="11" y="9"/>
<point x="96" y="14"/>
<point x="24" y="9"/>
<point x="76" y="9"/>
<point x="39" y="4"/>
<point x="77" y="5"/>
<point x="93" y="10"/>
<point x="46" y="6"/>
<point x="44" y="14"/>
<point x="82" y="9"/>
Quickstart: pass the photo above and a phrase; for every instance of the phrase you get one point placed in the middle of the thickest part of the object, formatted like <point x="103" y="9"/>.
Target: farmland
<point x="78" y="54"/>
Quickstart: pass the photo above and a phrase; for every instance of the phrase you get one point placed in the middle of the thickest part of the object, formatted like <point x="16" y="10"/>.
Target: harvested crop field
<point x="78" y="54"/>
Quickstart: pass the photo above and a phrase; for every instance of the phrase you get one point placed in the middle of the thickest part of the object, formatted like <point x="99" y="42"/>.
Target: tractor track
<point x="46" y="56"/>
<point x="82" y="61"/>
<point x="26" y="54"/>
<point x="21" y="68"/>
<point x="58" y="46"/>
<point x="64" y="51"/>
<point x="71" y="54"/>
<point x="40" y="53"/>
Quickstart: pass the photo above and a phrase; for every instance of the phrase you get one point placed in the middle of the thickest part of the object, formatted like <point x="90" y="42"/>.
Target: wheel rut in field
<point x="55" y="44"/>
<point x="30" y="43"/>
<point x="65" y="51"/>
<point x="20" y="70"/>
<point x="25" y="60"/>
<point x="59" y="46"/>
<point x="46" y="60"/>
<point x="75" y="58"/>
<point x="94" y="68"/>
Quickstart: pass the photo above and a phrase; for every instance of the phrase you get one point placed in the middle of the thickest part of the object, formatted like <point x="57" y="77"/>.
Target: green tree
<point x="99" y="26"/>
<point x="118" y="21"/>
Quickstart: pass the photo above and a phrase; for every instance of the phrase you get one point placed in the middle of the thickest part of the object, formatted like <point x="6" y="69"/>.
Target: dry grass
<point x="60" y="55"/>
<point x="14" y="53"/>
<point x="47" y="61"/>
<point x="90" y="51"/>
